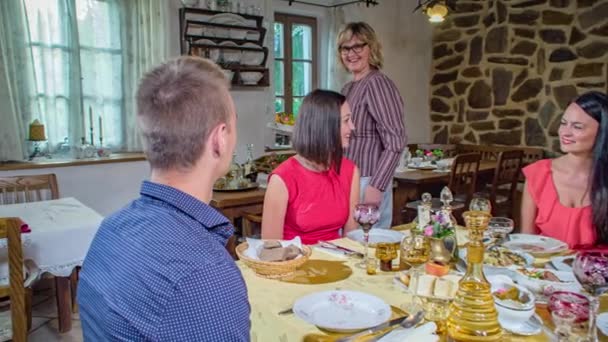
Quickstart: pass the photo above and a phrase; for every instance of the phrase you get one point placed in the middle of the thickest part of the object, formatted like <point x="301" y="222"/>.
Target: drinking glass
<point x="500" y="227"/>
<point x="563" y="321"/>
<point x="480" y="202"/>
<point x="591" y="271"/>
<point x="366" y="215"/>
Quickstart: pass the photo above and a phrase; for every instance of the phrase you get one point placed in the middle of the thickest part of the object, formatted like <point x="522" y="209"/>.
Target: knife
<point x="348" y="251"/>
<point x="405" y="322"/>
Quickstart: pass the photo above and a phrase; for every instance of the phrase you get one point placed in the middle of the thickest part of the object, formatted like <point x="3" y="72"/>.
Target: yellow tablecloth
<point x="268" y="297"/>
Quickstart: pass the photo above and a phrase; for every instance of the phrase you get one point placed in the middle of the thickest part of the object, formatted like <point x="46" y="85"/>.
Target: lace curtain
<point x="75" y="64"/>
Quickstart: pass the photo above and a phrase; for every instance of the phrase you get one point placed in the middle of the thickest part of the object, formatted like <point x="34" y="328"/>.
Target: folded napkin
<point x="423" y="333"/>
<point x="24" y="227"/>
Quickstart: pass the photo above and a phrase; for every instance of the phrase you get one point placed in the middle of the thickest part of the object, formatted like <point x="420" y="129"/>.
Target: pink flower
<point x="428" y="231"/>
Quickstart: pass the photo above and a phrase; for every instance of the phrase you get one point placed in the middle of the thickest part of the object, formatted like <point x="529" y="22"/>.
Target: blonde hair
<point x="367" y="34"/>
<point x="178" y="104"/>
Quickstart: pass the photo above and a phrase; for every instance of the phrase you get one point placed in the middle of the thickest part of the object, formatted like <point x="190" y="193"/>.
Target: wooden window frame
<point x="288" y="20"/>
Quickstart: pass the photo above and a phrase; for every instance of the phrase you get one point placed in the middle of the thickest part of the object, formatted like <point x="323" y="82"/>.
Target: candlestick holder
<point x="38" y="149"/>
<point x="103" y="151"/>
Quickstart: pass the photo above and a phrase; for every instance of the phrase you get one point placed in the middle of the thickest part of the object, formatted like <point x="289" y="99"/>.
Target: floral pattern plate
<point x="537" y="245"/>
<point x="342" y="311"/>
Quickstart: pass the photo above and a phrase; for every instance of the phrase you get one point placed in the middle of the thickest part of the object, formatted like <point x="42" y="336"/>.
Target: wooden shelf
<point x="191" y="44"/>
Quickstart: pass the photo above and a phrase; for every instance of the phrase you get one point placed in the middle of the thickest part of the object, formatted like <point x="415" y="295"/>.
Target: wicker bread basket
<point x="276" y="269"/>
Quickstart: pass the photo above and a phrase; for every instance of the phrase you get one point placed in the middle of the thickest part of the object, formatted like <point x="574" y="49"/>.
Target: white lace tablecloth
<point x="62" y="231"/>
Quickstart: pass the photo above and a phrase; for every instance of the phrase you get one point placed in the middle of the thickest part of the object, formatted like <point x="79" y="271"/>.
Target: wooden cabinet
<point x="234" y="41"/>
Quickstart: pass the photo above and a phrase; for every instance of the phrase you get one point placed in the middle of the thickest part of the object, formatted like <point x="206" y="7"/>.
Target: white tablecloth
<point x="62" y="231"/>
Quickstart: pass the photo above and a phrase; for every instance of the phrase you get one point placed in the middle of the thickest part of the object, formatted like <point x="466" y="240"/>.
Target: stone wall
<point x="504" y="70"/>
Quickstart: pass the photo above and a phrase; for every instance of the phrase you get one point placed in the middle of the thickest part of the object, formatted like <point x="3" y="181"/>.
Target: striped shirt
<point x="158" y="271"/>
<point x="379" y="136"/>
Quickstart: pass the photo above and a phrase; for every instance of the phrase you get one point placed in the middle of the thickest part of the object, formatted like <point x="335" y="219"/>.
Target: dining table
<point x="61" y="232"/>
<point x="411" y="183"/>
<point x="328" y="271"/>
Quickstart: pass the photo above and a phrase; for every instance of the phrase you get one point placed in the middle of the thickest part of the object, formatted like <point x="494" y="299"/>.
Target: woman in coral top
<point x="567" y="198"/>
<point x="313" y="194"/>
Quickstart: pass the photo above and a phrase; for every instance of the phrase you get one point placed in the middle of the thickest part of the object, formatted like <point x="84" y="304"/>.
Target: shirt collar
<point x="191" y="206"/>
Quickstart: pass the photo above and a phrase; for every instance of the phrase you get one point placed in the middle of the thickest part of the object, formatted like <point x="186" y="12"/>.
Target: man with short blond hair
<point x="158" y="269"/>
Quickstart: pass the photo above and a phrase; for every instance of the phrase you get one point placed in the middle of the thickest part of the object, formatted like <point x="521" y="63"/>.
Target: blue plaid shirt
<point x="158" y="270"/>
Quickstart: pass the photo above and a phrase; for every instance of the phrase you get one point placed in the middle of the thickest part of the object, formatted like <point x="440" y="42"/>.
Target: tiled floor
<point x="44" y="318"/>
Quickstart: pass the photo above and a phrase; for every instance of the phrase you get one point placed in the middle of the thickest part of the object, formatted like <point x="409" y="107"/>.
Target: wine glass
<point x="591" y="271"/>
<point x="480" y="202"/>
<point x="500" y="227"/>
<point x="366" y="214"/>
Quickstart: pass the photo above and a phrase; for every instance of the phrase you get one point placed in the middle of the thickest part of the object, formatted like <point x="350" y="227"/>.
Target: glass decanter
<point x="249" y="169"/>
<point x="447" y="198"/>
<point x="472" y="315"/>
<point x="423" y="218"/>
<point x="235" y="173"/>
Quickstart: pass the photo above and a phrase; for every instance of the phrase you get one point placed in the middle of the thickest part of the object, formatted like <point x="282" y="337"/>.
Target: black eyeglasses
<point x="357" y="48"/>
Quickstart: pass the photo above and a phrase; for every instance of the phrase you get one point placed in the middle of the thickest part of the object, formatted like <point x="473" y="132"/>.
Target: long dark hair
<point x="316" y="135"/>
<point x="595" y="104"/>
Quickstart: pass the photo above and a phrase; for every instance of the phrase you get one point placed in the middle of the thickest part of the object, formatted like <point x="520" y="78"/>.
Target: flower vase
<point x="442" y="249"/>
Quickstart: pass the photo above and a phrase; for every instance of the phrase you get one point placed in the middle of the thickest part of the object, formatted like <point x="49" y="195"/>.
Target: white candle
<point x="100" y="129"/>
<point x="91" y="117"/>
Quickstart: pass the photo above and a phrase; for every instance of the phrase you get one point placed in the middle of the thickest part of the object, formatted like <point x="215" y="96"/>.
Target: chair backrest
<point x="487" y="152"/>
<point x="10" y="229"/>
<point x="21" y="189"/>
<point x="507" y="173"/>
<point x="463" y="176"/>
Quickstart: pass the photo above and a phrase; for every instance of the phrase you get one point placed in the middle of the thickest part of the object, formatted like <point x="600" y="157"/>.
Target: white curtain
<point x="145" y="39"/>
<point x="16" y="79"/>
<point x="337" y="76"/>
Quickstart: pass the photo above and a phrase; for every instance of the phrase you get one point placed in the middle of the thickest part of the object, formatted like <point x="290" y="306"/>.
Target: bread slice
<point x="426" y="283"/>
<point x="272" y="244"/>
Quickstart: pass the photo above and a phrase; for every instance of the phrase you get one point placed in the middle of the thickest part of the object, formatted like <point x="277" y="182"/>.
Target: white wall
<point x="406" y="38"/>
<point x="103" y="187"/>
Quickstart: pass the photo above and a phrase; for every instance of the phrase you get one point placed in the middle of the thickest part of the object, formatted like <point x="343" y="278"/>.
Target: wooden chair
<point x="463" y="176"/>
<point x="486" y="152"/>
<point x="33" y="188"/>
<point x="22" y="189"/>
<point x="504" y="185"/>
<point x="10" y="229"/>
<point x="249" y="222"/>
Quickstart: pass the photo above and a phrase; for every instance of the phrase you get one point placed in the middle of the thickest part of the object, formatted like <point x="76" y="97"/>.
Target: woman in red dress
<point x="313" y="194"/>
<point x="567" y="198"/>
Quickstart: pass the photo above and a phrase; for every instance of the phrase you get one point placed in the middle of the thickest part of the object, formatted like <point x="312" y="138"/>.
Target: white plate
<point x="230" y="55"/>
<point x="529" y="328"/>
<point x="602" y="323"/>
<point x="342" y="311"/>
<point x="535" y="244"/>
<point x="252" y="57"/>
<point x="377" y="235"/>
<point x="229" y="19"/>
<point x="567" y="282"/>
<point x="559" y="262"/>
<point x="462" y="253"/>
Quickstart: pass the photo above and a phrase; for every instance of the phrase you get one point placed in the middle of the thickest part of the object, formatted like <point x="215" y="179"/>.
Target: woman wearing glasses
<point x="377" y="112"/>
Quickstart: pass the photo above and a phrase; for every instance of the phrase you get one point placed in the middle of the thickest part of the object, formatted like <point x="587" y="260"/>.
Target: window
<point x="77" y="58"/>
<point x="295" y="55"/>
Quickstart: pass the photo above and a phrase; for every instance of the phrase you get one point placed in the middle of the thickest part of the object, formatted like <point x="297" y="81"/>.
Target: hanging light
<point x="436" y="11"/>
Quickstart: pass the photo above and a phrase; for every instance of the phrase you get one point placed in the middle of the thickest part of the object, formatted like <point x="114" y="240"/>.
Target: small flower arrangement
<point x="430" y="154"/>
<point x="440" y="226"/>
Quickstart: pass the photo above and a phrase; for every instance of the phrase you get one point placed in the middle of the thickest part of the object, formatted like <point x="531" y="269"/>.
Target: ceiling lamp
<point x="436" y="10"/>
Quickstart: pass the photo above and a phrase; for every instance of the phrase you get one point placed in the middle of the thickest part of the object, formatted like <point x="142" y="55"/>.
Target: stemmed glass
<point x="366" y="215"/>
<point x="480" y="202"/>
<point x="591" y="271"/>
<point x="499" y="228"/>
